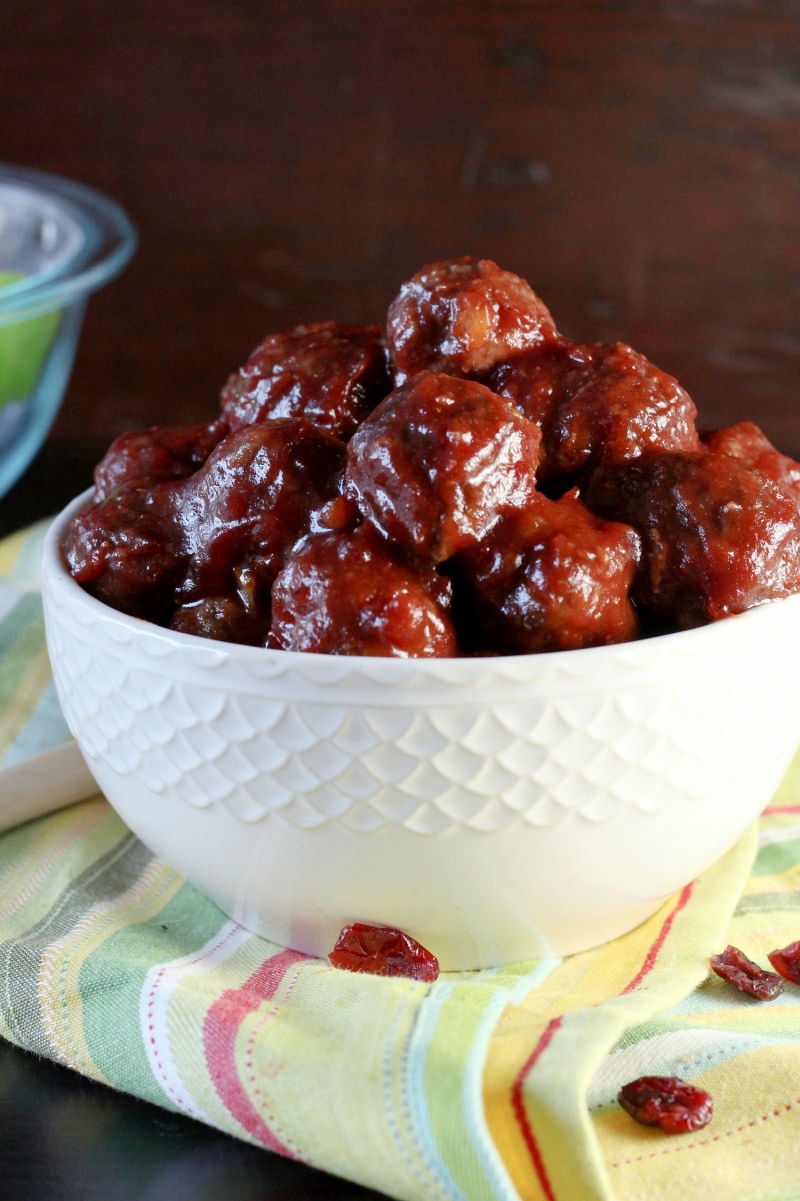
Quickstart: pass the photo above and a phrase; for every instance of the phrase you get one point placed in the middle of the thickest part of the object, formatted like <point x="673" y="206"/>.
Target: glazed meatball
<point x="515" y="492"/>
<point x="717" y="536"/>
<point x="540" y="379"/>
<point x="348" y="593"/>
<point x="128" y="550"/>
<point x="163" y="452"/>
<point x="463" y="316"/>
<point x="225" y="618"/>
<point x="746" y="441"/>
<point x="439" y="461"/>
<point x="252" y="499"/>
<point x="552" y="577"/>
<point x="329" y="373"/>
<point x="602" y="404"/>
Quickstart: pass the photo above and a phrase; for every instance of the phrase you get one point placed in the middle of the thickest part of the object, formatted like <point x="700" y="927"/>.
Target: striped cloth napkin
<point x="493" y="1084"/>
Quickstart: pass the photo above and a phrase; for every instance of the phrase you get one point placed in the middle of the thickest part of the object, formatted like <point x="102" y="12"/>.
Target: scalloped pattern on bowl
<point x="166" y="713"/>
<point x="663" y="749"/>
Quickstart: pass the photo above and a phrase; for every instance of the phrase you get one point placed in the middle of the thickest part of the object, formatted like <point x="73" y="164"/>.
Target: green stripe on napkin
<point x="487" y="1085"/>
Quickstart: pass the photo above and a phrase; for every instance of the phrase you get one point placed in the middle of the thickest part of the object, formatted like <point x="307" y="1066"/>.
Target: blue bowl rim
<point x="109" y="242"/>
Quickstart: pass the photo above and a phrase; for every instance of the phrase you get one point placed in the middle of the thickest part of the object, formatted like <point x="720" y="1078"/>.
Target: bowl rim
<point x="470" y="668"/>
<point x="109" y="241"/>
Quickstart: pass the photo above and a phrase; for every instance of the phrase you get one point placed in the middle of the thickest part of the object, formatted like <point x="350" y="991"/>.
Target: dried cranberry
<point x="734" y="966"/>
<point x="382" y="951"/>
<point x="667" y="1102"/>
<point x="787" y="962"/>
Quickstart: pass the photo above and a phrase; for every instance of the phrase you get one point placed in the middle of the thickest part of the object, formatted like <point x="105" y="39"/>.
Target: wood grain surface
<point x="295" y="160"/>
<point x="289" y="160"/>
<point x="65" y="1138"/>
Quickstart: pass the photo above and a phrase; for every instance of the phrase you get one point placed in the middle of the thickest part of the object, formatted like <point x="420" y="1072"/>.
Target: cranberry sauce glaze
<point x="464" y="481"/>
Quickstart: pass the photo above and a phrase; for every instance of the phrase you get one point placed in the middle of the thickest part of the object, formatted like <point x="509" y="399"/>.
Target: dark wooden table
<point x="65" y="1138"/>
<point x="58" y="473"/>
<point x="295" y="161"/>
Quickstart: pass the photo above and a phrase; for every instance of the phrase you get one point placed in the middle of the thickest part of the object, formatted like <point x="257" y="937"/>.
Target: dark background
<point x="289" y="160"/>
<point x="296" y="160"/>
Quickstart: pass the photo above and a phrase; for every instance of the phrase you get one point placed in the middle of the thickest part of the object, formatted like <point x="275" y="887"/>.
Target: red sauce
<point x="465" y="480"/>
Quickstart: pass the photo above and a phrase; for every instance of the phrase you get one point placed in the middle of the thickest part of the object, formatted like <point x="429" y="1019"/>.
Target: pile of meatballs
<point x="463" y="480"/>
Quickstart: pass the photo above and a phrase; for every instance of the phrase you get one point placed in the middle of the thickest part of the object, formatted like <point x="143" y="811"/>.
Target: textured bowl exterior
<point x="497" y="809"/>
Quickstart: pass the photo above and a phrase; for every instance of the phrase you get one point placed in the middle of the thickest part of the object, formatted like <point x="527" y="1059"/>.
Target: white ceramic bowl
<point x="497" y="809"/>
